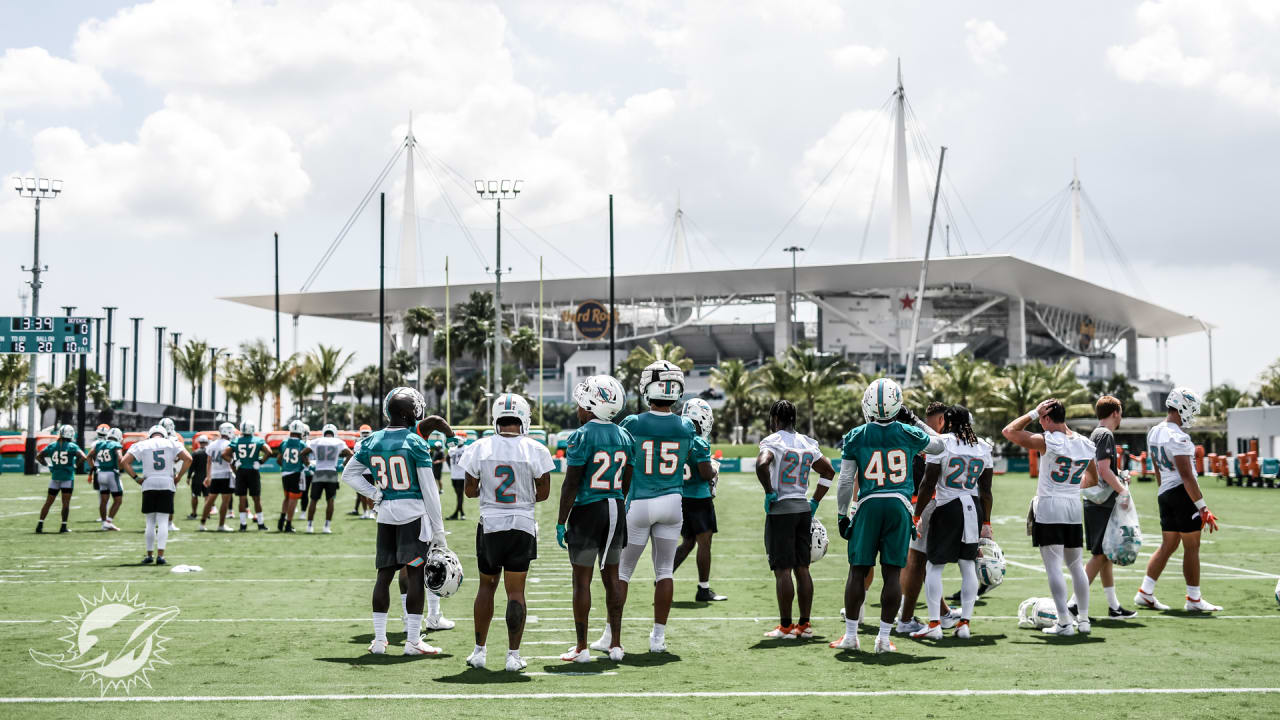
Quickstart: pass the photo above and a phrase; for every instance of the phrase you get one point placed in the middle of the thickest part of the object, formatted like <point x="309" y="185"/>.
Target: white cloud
<point x="31" y="77"/>
<point x="984" y="40"/>
<point x="1228" y="47"/>
<point x="857" y="56"/>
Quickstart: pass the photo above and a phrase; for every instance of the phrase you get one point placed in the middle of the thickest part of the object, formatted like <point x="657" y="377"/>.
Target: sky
<point x="188" y="131"/>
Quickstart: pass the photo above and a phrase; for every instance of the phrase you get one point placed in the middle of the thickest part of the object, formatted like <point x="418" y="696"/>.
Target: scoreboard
<point x="46" y="335"/>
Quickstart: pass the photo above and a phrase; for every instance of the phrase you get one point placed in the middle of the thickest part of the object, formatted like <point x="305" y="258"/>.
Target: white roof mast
<point x="900" y="244"/>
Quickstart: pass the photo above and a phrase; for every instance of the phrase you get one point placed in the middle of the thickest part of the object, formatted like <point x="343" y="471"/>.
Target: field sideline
<point x="278" y="625"/>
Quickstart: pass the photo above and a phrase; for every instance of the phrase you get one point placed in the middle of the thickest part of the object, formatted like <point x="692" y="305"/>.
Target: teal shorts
<point x="882" y="526"/>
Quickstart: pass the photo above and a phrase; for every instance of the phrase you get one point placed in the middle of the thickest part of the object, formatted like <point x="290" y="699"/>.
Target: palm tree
<point x="962" y="379"/>
<point x="524" y="347"/>
<point x="774" y="379"/>
<point x="257" y="372"/>
<point x="435" y="382"/>
<point x="328" y="365"/>
<point x="192" y="362"/>
<point x="1061" y="382"/>
<point x="628" y="372"/>
<point x="1269" y="384"/>
<point x="732" y="378"/>
<point x="237" y="385"/>
<point x="1222" y="398"/>
<point x="421" y="323"/>
<point x="301" y="383"/>
<point x="13" y="374"/>
<point x="810" y="374"/>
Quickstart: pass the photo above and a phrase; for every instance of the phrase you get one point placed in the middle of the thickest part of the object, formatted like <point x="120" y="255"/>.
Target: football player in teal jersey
<point x="249" y="452"/>
<point x="875" y="473"/>
<point x="105" y="457"/>
<point x="662" y="443"/>
<point x="293" y="453"/>
<point x="697" y="504"/>
<point x="60" y="456"/>
<point x="592" y="522"/>
<point x="408" y="512"/>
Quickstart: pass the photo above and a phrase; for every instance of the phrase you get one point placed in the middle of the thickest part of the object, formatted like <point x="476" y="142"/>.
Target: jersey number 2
<point x="507" y="475"/>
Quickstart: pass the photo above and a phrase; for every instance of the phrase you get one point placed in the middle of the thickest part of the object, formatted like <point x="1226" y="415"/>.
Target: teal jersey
<point x="662" y="443"/>
<point x="883" y="456"/>
<point x="604" y="450"/>
<point x="104" y="455"/>
<point x="394" y="456"/>
<point x="694" y="485"/>
<point x="291" y="455"/>
<point x="247" y="451"/>
<point x="62" y="456"/>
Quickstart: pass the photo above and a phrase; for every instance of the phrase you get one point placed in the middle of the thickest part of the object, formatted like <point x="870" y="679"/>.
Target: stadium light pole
<point x="37" y="189"/>
<point x="497" y="190"/>
<point x="124" y="373"/>
<point x="137" y="324"/>
<point x="159" y="360"/>
<point x="794" y="249"/>
<point x="111" y="311"/>
<point x="66" y="367"/>
<point x="97" y="345"/>
<point x="1208" y="331"/>
<point x="382" y="293"/>
<point x="173" y="368"/>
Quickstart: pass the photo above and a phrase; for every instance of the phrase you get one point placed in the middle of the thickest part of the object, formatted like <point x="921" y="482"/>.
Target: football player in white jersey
<point x="1056" y="514"/>
<point x="162" y="461"/>
<point x="457" y="476"/>
<point x="509" y="472"/>
<point x="326" y="450"/>
<point x="913" y="573"/>
<point x="782" y="467"/>
<point x="959" y="479"/>
<point x="218" y="478"/>
<point x="171" y="432"/>
<point x="1183" y="511"/>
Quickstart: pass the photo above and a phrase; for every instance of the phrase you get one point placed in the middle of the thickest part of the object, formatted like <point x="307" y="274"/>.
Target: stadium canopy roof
<point x="996" y="274"/>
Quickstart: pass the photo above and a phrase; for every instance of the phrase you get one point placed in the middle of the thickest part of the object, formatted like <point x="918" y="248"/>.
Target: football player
<point x="913" y="574"/>
<point x="1183" y="511"/>
<point x="248" y="451"/>
<point x="434" y="619"/>
<point x="158" y="455"/>
<point x="875" y="474"/>
<point x="697" y="503"/>
<point x="1056" y="514"/>
<point x="663" y="443"/>
<point x="959" y="481"/>
<point x="592" y="523"/>
<point x="293" y="453"/>
<point x="219" y="480"/>
<point x="60" y="456"/>
<point x="171" y="432"/>
<point x="308" y="470"/>
<point x="197" y="472"/>
<point x="409" y="519"/>
<point x="1097" y="515"/>
<point x="105" y="460"/>
<point x="782" y="467"/>
<point x="456" y="476"/>
<point x="327" y="450"/>
<point x="362" y="502"/>
<point x="509" y="472"/>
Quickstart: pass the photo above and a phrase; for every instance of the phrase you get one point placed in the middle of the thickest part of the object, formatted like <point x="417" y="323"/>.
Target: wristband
<point x="1201" y="504"/>
<point x="1033" y="416"/>
<point x="986" y="524"/>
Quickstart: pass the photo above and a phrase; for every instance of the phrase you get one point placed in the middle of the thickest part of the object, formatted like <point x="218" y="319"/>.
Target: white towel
<point x="970" y="509"/>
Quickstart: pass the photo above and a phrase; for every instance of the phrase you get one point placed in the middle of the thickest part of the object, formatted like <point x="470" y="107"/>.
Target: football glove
<point x="845" y="526"/>
<point x="813" y="507"/>
<point x="769" y="500"/>
<point x="1208" y="521"/>
<point x="560" y="531"/>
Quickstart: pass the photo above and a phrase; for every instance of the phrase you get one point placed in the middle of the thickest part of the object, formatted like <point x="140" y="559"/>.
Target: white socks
<point x="413" y="627"/>
<point x="258" y="517"/>
<point x="150" y="532"/>
<point x="404" y="608"/>
<point x="1112" y="601"/>
<point x="433" y="604"/>
<point x="1148" y="584"/>
<point x="1052" y="557"/>
<point x="1079" y="579"/>
<point x="704" y="585"/>
<point x="659" y="631"/>
<point x="885" y="627"/>
<point x="968" y="587"/>
<point x="162" y="529"/>
<point x="850" y="627"/>
<point x="380" y="626"/>
<point x="244" y="518"/>
<point x="933" y="590"/>
<point x="1193" y="591"/>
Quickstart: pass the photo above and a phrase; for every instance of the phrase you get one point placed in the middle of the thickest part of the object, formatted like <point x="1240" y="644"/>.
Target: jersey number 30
<point x="392" y="472"/>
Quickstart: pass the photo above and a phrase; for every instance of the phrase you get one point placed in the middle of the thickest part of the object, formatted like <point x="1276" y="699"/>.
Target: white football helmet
<point x="157" y="430"/>
<point x="66" y="432"/>
<point x="601" y="395"/>
<point x="442" y="572"/>
<point x="329" y="429"/>
<point x="510" y="405"/>
<point x="1186" y="401"/>
<point x="365" y="431"/>
<point x="697" y="410"/>
<point x="990" y="565"/>
<point x="116" y="435"/>
<point x="226" y="429"/>
<point x="1037" y="613"/>
<point x="817" y="540"/>
<point x="247" y="428"/>
<point x="169" y="427"/>
<point x="297" y="427"/>
<point x="662" y="380"/>
<point x="882" y="400"/>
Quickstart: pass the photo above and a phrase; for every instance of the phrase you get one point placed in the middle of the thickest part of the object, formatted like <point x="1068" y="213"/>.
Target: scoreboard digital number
<point x="47" y="335"/>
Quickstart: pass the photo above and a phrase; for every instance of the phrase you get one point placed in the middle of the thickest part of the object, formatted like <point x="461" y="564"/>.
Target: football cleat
<point x="161" y="561"/>
<point x="515" y="663"/>
<point x="1084" y="627"/>
<point x="604" y="642"/>
<point x="173" y="528"/>
<point x="933" y="631"/>
<point x="617" y="653"/>
<point x="574" y="655"/>
<point x="803" y="630"/>
<point x="657" y="644"/>
<point x="243" y="527"/>
<point x="1199" y="605"/>
<point x="912" y="625"/>
<point x="706" y="594"/>
<point x="147" y="560"/>
<point x="438" y="622"/>
<point x="1148" y="601"/>
<point x="950" y="619"/>
<point x="203" y="528"/>
<point x="1060" y="630"/>
<point x="325" y="530"/>
<point x="1121" y="613"/>
<point x="420" y="648"/>
<point x="378" y="647"/>
<point x="310" y="528"/>
<point x="962" y="630"/>
<point x="885" y="645"/>
<point x="782" y="633"/>
<point x="846" y="642"/>
<point x="223" y="528"/>
<point x="476" y="659"/>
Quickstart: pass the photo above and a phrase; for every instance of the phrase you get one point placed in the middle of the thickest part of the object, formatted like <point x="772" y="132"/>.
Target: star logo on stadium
<point x="908" y="302"/>
<point x="113" y="642"/>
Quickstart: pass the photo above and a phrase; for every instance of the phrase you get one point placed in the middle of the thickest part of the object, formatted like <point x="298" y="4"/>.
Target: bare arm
<point x="985" y="498"/>
<point x="706" y="471"/>
<point x="431" y="503"/>
<point x="434" y="423"/>
<point x="1188" y="473"/>
<point x="826" y="473"/>
<point x="226" y="455"/>
<point x="763" y="460"/>
<point x="542" y="487"/>
<point x="353" y="476"/>
<point x="1016" y="432"/>
<point x="569" y="491"/>
<point x="472" y="488"/>
<point x="184" y="463"/>
<point x="626" y="481"/>
<point x="126" y="464"/>
<point x="932" y="471"/>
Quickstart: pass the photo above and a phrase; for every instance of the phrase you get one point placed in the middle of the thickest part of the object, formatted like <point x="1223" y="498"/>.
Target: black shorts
<point x="327" y="489"/>
<point x="1177" y="512"/>
<point x="248" y="482"/>
<point x="787" y="540"/>
<point x="398" y="545"/>
<point x="293" y="483"/>
<point x="1068" y="535"/>
<point x="699" y="516"/>
<point x="458" y="482"/>
<point x="197" y="487"/>
<point x="945" y="537"/>
<point x="588" y="533"/>
<point x="220" y="486"/>
<point x="510" y="550"/>
<point x="157" y="501"/>
<point x="1096" y="518"/>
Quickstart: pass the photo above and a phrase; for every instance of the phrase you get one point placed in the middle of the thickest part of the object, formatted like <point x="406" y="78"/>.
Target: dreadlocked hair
<point x="959" y="422"/>
<point x="782" y="414"/>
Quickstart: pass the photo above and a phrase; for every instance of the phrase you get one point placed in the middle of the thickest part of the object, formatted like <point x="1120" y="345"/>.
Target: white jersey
<point x="506" y="467"/>
<point x="455" y="461"/>
<point x="793" y="456"/>
<point x="158" y="457"/>
<point x="218" y="468"/>
<point x="1066" y="457"/>
<point x="326" y="451"/>
<point x="962" y="465"/>
<point x="1165" y="442"/>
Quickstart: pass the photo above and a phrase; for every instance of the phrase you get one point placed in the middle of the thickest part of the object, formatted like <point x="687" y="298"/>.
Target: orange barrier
<point x="1033" y="462"/>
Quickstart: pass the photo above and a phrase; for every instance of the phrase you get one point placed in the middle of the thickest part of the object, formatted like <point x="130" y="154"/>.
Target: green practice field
<point x="277" y="626"/>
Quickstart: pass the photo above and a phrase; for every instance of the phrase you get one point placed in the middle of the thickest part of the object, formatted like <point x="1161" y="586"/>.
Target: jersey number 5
<point x="602" y="462"/>
<point x="890" y="468"/>
<point x="392" y="472"/>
